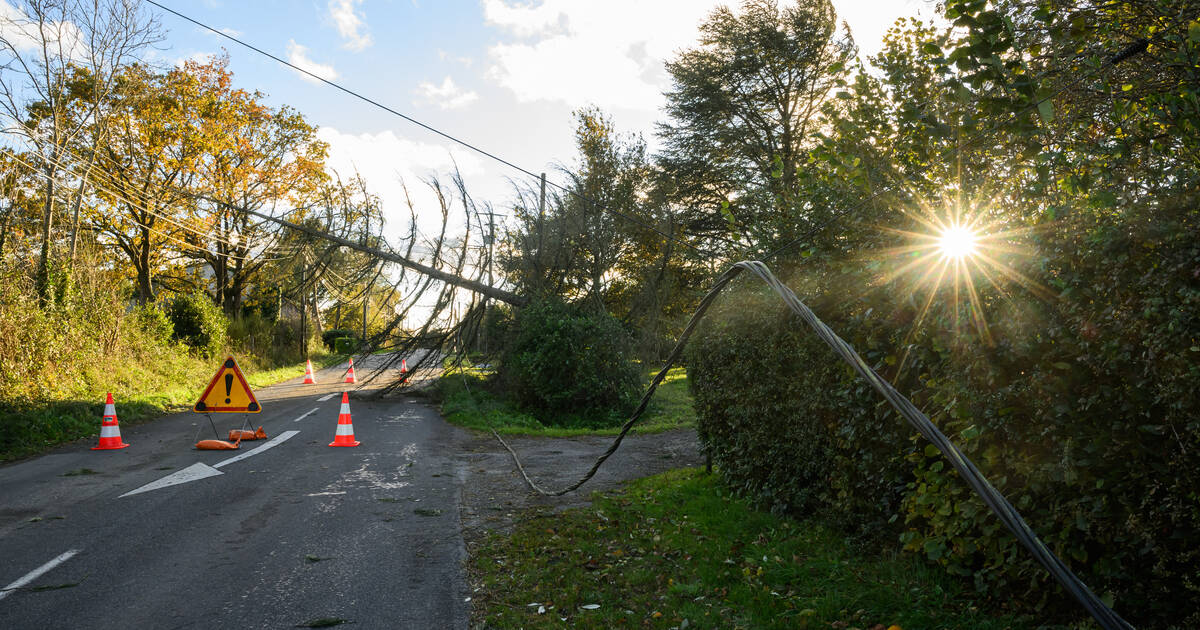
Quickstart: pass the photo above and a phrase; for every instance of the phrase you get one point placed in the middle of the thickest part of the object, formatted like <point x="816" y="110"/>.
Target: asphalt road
<point x="293" y="534"/>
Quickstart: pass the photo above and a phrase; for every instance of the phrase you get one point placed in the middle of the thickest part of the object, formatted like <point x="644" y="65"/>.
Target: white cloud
<point x="21" y="32"/>
<point x="349" y="24"/>
<point x="389" y="162"/>
<point x="446" y="96"/>
<point x="298" y="56"/>
<point x="196" y="57"/>
<point x="608" y="53"/>
<point x="611" y="52"/>
<point x="231" y="32"/>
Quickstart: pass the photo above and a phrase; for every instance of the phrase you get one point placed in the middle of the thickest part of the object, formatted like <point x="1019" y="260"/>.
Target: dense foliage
<point x="570" y="365"/>
<point x="1061" y="356"/>
<point x="199" y="323"/>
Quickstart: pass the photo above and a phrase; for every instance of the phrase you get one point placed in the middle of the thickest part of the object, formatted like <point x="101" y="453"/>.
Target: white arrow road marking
<point x="327" y="397"/>
<point x="202" y="471"/>
<point x="37" y="573"/>
<point x="314" y="410"/>
<point x="275" y="441"/>
<point x="191" y="473"/>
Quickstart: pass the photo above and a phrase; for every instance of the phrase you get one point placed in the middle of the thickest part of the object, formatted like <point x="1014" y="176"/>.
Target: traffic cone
<point x="308" y="374"/>
<point x="110" y="431"/>
<point x="350" y="378"/>
<point x="403" y="370"/>
<point x="345" y="428"/>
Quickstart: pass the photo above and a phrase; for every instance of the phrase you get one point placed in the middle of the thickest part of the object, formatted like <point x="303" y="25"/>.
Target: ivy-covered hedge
<point x="1080" y="401"/>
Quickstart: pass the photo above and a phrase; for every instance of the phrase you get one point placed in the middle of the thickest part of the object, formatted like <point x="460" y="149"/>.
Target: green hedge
<point x="1082" y="407"/>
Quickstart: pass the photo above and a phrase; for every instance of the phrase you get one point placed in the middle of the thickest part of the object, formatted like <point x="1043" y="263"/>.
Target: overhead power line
<point x="429" y="128"/>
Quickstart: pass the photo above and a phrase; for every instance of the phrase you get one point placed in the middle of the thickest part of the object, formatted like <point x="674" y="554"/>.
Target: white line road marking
<point x="276" y="441"/>
<point x="323" y="494"/>
<point x="327" y="397"/>
<point x="36" y="573"/>
<point x="314" y="410"/>
<point x="191" y="473"/>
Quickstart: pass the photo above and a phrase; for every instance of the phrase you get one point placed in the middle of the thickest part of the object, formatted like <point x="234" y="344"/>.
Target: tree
<point x="42" y="44"/>
<point x="147" y="166"/>
<point x="257" y="158"/>
<point x="576" y="247"/>
<point x="743" y="109"/>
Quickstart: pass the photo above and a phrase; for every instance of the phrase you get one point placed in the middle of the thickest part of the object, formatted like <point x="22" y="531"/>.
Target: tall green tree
<point x="743" y="110"/>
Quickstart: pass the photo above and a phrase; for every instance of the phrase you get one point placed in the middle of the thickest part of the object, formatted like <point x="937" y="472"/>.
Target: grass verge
<point x="469" y="400"/>
<point x="675" y="550"/>
<point x="143" y="390"/>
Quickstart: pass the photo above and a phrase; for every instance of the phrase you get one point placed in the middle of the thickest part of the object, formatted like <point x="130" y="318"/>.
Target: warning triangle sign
<point x="228" y="392"/>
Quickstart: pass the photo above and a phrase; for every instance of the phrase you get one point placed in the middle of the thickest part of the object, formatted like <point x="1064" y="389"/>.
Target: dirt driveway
<point x="494" y="494"/>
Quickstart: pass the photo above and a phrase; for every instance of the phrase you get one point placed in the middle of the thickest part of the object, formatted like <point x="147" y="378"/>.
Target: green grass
<point x="143" y="391"/>
<point x="469" y="400"/>
<point x="677" y="547"/>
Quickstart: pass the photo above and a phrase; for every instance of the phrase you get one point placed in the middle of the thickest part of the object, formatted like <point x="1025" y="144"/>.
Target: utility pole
<point x="490" y="241"/>
<point x="370" y="283"/>
<point x="303" y="314"/>
<point x="541" y="226"/>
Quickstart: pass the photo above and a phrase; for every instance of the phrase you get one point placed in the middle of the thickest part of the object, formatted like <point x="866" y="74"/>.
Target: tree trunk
<point x="4" y="230"/>
<point x="43" y="269"/>
<point x="145" y="288"/>
<point x="75" y="211"/>
<point x="316" y="313"/>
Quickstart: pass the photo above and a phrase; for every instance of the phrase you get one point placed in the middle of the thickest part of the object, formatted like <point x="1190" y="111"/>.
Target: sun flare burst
<point x="956" y="260"/>
<point x="957" y="241"/>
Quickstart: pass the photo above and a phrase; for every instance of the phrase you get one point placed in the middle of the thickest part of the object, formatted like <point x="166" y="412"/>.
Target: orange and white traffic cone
<point x="110" y="431"/>
<point x="345" y="428"/>
<point x="350" y="378"/>
<point x="403" y="370"/>
<point x="308" y="374"/>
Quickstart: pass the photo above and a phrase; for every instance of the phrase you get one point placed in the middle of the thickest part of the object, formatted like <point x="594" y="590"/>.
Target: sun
<point x="957" y="258"/>
<point x="957" y="242"/>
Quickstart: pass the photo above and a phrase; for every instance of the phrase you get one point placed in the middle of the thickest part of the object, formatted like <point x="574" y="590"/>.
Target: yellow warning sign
<point x="228" y="392"/>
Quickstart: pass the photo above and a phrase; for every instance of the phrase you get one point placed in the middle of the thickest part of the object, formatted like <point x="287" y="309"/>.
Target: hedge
<point x="1081" y="406"/>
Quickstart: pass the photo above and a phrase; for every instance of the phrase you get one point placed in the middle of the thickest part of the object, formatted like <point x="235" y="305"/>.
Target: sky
<point x="503" y="75"/>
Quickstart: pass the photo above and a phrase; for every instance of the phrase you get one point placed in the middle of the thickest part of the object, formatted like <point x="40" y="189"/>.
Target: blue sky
<point x="502" y="74"/>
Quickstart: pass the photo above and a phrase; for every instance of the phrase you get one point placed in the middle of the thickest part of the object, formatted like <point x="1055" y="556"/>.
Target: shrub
<point x="198" y="323"/>
<point x="251" y="332"/>
<point x="565" y="365"/>
<point x="285" y="342"/>
<point x="345" y="345"/>
<point x="153" y="321"/>
<point x="330" y="337"/>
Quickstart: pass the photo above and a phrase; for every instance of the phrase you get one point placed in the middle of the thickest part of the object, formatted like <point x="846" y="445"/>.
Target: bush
<point x="154" y="322"/>
<point x="198" y="323"/>
<point x="564" y="364"/>
<point x="330" y="337"/>
<point x="345" y="345"/>
<point x="251" y="332"/>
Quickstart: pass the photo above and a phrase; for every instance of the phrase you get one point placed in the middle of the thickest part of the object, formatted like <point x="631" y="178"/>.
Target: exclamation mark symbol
<point x="228" y="386"/>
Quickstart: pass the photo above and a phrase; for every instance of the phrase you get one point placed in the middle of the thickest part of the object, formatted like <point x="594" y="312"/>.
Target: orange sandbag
<point x="217" y="445"/>
<point x="235" y="434"/>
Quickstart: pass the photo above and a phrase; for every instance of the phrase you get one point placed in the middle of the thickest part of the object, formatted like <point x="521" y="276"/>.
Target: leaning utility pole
<point x="437" y="274"/>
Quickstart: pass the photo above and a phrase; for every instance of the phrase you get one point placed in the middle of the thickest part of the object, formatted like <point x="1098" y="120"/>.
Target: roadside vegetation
<point x="677" y="550"/>
<point x="473" y="398"/>
<point x="59" y="363"/>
